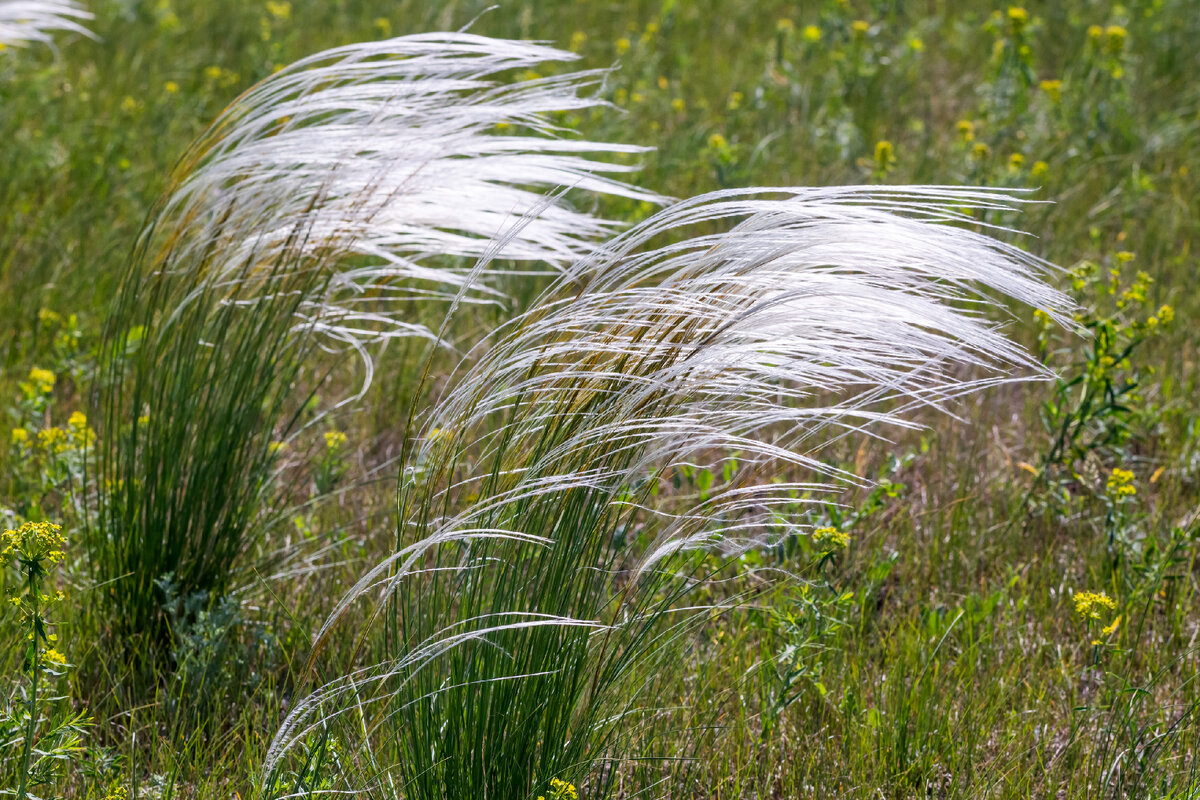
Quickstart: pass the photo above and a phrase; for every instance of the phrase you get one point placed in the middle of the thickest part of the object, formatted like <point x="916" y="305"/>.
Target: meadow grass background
<point x="939" y="654"/>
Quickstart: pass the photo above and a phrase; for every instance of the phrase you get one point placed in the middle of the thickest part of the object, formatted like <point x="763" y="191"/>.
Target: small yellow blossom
<point x="54" y="657"/>
<point x="785" y="26"/>
<point x="1116" y="36"/>
<point x="916" y="44"/>
<point x="735" y="101"/>
<point x="1091" y="605"/>
<point x="578" y="38"/>
<point x="678" y="104"/>
<point x="966" y="130"/>
<point x="1165" y="314"/>
<point x="981" y="151"/>
<point x="1039" y="169"/>
<point x="42" y="379"/>
<point x="20" y="436"/>
<point x="383" y="25"/>
<point x="1095" y="33"/>
<point x="831" y="537"/>
<point x="561" y="790"/>
<point x="663" y="83"/>
<point x="1120" y="483"/>
<point x="335" y="440"/>
<point x="1109" y="630"/>
<point x="1016" y="161"/>
<point x="1052" y="88"/>
<point x="33" y="541"/>
<point x="860" y="27"/>
<point x="622" y="46"/>
<point x="279" y="9"/>
<point x="54" y="440"/>
<point x="171" y="87"/>
<point x="811" y="33"/>
<point x="1017" y="19"/>
<point x="885" y="156"/>
<point x="717" y="142"/>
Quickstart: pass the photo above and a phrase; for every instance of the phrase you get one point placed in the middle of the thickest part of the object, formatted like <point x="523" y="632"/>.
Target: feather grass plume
<point x="315" y="206"/>
<point x="540" y="574"/>
<point x="25" y="21"/>
<point x="395" y="151"/>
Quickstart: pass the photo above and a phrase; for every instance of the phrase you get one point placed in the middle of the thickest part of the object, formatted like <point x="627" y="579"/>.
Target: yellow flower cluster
<point x="1018" y="18"/>
<point x="1090" y="605"/>
<point x="1120" y="484"/>
<point x="41" y="382"/>
<point x="885" y="155"/>
<point x="831" y="537"/>
<point x="1053" y="89"/>
<point x="561" y="790"/>
<point x="335" y="440"/>
<point x="33" y="542"/>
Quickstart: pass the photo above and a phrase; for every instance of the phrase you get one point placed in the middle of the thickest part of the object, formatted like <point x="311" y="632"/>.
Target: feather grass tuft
<point x="304" y="219"/>
<point x="533" y="487"/>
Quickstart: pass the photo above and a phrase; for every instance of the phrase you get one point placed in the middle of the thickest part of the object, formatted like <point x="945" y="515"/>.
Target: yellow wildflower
<point x="860" y="27"/>
<point x="1015" y="161"/>
<point x="35" y="541"/>
<point x="811" y="33"/>
<point x="561" y="790"/>
<point x="1115" y="35"/>
<point x="831" y="537"/>
<point x="54" y="657"/>
<point x="678" y="104"/>
<point x="20" y="436"/>
<point x="1053" y="89"/>
<point x="54" y="440"/>
<point x="1109" y="630"/>
<point x="966" y="130"/>
<point x="1017" y="19"/>
<point x="785" y="26"/>
<point x="42" y="379"/>
<point x="577" y="41"/>
<point x="1091" y="605"/>
<point x="622" y="46"/>
<point x="1039" y="169"/>
<point x="1095" y="33"/>
<point x="885" y="156"/>
<point x="383" y="25"/>
<point x="335" y="440"/>
<point x="171" y="87"/>
<point x="1165" y="314"/>
<point x="981" y="151"/>
<point x="279" y="9"/>
<point x="1120" y="483"/>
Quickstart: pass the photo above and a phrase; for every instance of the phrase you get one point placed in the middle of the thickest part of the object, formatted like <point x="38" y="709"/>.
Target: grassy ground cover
<point x="1009" y="609"/>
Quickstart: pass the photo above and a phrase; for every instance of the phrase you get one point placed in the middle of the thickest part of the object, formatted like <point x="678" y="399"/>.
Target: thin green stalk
<point x="23" y="788"/>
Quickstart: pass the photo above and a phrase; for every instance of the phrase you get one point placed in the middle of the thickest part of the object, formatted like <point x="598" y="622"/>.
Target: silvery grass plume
<point x="316" y="207"/>
<point x="541" y="574"/>
<point x="394" y="152"/>
<point x="24" y="21"/>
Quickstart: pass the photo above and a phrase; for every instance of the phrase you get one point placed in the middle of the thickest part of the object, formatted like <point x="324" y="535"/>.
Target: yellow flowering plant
<point x="1097" y="408"/>
<point x="34" y="549"/>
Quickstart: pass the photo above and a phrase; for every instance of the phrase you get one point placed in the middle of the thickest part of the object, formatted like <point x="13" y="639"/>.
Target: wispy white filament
<point x="24" y="21"/>
<point x="394" y="152"/>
